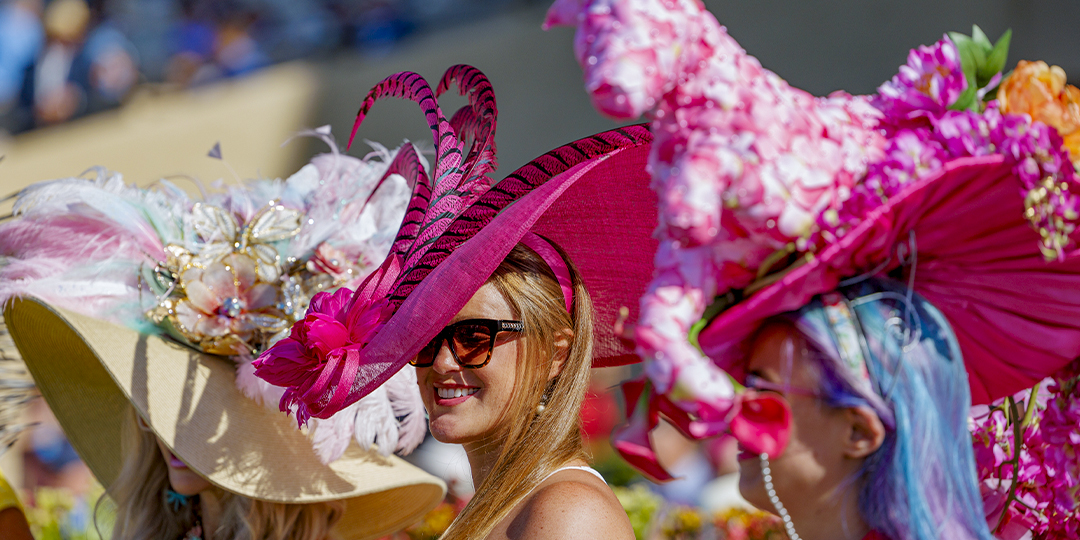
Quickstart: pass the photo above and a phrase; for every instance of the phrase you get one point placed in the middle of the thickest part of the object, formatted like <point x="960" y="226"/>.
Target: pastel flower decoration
<point x="226" y="308"/>
<point x="1040" y="91"/>
<point x="319" y="360"/>
<point x="926" y="86"/>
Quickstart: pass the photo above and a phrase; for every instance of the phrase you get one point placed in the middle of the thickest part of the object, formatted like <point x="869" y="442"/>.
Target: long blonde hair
<point x="535" y="443"/>
<point x="143" y="512"/>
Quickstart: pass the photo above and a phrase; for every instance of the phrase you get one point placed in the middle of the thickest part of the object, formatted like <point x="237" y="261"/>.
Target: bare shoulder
<point x="571" y="505"/>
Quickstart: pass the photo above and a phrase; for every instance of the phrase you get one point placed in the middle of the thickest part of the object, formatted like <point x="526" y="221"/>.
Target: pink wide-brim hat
<point x="1015" y="315"/>
<point x="590" y="197"/>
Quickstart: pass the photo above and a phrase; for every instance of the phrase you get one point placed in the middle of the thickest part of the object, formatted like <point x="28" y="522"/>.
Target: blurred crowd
<point x="60" y="59"/>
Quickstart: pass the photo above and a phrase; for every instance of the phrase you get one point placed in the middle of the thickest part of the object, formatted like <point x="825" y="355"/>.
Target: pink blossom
<point x="320" y="351"/>
<point x="1045" y="480"/>
<point x="319" y="360"/>
<point x="931" y="80"/>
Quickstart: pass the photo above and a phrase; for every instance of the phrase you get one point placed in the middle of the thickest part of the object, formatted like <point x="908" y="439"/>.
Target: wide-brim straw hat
<point x="89" y="371"/>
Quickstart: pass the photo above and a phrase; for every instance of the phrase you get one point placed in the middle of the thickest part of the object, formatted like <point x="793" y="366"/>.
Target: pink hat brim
<point x="600" y="210"/>
<point x="1015" y="315"/>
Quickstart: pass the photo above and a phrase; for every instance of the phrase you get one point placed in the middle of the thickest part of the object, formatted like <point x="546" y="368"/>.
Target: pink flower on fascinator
<point x="316" y="364"/>
<point x="931" y="80"/>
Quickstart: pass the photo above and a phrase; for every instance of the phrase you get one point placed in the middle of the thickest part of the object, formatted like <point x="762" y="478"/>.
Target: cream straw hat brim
<point x="89" y="370"/>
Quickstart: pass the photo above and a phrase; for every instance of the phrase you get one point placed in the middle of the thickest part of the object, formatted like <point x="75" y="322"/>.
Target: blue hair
<point x="921" y="483"/>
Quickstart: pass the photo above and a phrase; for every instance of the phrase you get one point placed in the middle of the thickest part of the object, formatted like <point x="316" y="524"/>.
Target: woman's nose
<point x="444" y="360"/>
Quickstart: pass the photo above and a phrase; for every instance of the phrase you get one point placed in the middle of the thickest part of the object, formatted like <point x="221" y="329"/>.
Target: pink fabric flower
<point x="319" y="360"/>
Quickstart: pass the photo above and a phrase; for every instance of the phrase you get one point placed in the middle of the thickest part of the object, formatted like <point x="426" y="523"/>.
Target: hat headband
<point x="547" y="252"/>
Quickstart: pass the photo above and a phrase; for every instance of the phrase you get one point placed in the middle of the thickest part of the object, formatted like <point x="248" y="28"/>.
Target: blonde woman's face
<point x="469" y="405"/>
<point x="182" y="479"/>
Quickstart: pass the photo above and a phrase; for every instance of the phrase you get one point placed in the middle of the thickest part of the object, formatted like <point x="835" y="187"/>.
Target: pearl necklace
<point x="766" y="474"/>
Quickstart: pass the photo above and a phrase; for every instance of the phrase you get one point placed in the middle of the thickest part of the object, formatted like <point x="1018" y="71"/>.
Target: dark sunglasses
<point x="470" y="342"/>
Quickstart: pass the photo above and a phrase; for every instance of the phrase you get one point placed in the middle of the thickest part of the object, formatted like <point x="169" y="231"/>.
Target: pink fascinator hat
<point x="951" y="179"/>
<point x="589" y="197"/>
<point x="122" y="297"/>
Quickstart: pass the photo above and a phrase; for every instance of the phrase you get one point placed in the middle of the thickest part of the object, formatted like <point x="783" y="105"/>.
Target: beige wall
<point x="157" y="135"/>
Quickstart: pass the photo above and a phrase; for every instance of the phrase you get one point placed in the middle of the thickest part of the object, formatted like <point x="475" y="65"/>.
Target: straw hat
<point x="90" y="370"/>
<point x="590" y="197"/>
<point x="116" y="294"/>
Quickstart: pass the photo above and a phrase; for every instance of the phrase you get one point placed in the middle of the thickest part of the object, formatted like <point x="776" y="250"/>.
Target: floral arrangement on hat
<point x="1027" y="451"/>
<point x="226" y="275"/>
<point x="758" y="180"/>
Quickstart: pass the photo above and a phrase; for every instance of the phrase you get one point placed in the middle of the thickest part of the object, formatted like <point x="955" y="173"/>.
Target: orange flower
<point x="1039" y="90"/>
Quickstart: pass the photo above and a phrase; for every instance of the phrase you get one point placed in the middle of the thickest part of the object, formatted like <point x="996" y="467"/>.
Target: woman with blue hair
<point x="879" y="403"/>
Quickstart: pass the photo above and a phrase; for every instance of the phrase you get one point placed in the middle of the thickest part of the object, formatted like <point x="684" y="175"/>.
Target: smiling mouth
<point x="451" y="393"/>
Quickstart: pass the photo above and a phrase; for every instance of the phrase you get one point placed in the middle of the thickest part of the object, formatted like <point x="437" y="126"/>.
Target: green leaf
<point x="967" y="100"/>
<point x="995" y="61"/>
<point x="969" y="58"/>
<point x="980" y="38"/>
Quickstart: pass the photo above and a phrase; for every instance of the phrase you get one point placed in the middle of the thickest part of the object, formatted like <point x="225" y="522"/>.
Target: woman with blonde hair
<point x="502" y="296"/>
<point x="137" y="311"/>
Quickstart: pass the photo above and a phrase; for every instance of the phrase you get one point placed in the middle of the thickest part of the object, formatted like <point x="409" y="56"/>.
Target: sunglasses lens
<point x="472" y="343"/>
<point x="426" y="356"/>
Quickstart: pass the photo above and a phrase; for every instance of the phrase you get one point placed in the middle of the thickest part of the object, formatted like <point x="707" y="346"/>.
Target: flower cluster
<point x="742" y="161"/>
<point x="925" y="131"/>
<point x="926" y="86"/>
<point x="1027" y="453"/>
<point x="1039" y="90"/>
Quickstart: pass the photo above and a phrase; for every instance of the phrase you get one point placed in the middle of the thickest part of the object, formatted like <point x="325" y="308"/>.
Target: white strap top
<point x="585" y="468"/>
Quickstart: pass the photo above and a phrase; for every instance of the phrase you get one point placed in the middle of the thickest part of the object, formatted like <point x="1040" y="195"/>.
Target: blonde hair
<point x="142" y="511"/>
<point x="535" y="443"/>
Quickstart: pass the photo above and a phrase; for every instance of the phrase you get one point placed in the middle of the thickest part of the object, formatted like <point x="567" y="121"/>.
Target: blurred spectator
<point x="56" y="97"/>
<point x="106" y="68"/>
<point x="21" y="38"/>
<point x="60" y="59"/>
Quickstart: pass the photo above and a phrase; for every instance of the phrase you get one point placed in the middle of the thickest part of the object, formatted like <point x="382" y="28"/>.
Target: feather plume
<point x="16" y="390"/>
<point x="408" y="409"/>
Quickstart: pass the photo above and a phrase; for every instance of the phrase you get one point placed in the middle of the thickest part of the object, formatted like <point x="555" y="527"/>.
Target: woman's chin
<point x="446" y="430"/>
<point x="187" y="483"/>
<point x="751" y="486"/>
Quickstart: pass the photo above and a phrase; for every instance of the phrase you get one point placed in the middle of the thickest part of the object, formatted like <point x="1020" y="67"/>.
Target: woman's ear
<point x="866" y="432"/>
<point x="563" y="339"/>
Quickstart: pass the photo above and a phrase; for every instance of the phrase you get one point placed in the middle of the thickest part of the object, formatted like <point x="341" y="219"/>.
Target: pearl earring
<point x="766" y="474"/>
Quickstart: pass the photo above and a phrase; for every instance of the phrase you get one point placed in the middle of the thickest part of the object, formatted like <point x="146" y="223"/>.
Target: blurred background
<point x="148" y="87"/>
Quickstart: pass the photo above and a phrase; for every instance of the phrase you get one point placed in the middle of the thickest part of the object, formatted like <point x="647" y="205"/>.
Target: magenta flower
<point x="931" y="80"/>
<point x="320" y="350"/>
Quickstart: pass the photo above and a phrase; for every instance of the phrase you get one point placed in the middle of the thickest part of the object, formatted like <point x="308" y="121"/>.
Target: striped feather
<point x="510" y="189"/>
